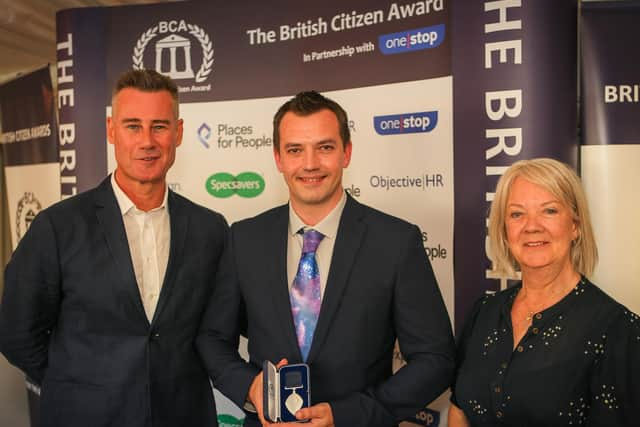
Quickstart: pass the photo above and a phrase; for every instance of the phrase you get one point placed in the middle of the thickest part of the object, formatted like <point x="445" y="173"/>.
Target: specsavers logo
<point x="226" y="420"/>
<point x="176" y="54"/>
<point x="246" y="184"/>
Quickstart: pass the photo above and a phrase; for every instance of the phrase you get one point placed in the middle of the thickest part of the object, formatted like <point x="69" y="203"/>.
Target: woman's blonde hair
<point x="561" y="181"/>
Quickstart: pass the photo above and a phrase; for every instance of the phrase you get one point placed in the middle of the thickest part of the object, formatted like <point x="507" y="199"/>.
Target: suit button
<point x="520" y="349"/>
<point x="535" y="330"/>
<point x="499" y="414"/>
<point x="497" y="389"/>
<point x="155" y="335"/>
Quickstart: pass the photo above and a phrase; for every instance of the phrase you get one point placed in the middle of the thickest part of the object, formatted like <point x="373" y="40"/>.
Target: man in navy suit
<point x="375" y="285"/>
<point x="105" y="292"/>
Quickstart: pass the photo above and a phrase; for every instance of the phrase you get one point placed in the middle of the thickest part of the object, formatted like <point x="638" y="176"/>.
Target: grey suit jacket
<point x="380" y="287"/>
<point x="72" y="317"/>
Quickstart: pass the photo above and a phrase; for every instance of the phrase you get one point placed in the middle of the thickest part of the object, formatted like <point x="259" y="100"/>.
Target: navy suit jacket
<point x="73" y="320"/>
<point x="380" y="287"/>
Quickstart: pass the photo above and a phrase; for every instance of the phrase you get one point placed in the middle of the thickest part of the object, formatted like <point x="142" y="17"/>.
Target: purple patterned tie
<point x="305" y="292"/>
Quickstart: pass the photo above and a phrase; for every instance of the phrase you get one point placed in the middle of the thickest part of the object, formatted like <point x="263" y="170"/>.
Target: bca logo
<point x="28" y="208"/>
<point x="174" y="56"/>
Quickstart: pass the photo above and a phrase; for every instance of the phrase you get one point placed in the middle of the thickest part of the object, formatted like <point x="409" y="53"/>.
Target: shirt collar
<point x="329" y="224"/>
<point x="124" y="202"/>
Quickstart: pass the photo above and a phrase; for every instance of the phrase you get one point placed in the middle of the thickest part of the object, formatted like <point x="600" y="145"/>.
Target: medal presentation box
<point x="286" y="390"/>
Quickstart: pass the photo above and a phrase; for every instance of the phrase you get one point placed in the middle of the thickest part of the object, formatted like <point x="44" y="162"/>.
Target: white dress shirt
<point x="149" y="237"/>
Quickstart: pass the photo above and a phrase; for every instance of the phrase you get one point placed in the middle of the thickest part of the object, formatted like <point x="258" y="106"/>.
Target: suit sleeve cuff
<point x="359" y="410"/>
<point x="235" y="385"/>
<point x="248" y="406"/>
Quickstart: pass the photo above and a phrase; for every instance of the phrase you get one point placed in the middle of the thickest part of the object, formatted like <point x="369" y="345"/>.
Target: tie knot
<point x="310" y="241"/>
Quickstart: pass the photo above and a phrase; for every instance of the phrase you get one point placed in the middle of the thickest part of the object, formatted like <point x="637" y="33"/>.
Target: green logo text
<point x="245" y="184"/>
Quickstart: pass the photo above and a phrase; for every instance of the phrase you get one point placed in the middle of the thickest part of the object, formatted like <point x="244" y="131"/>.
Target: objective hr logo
<point x="246" y="184"/>
<point x="411" y="40"/>
<point x="424" y="121"/>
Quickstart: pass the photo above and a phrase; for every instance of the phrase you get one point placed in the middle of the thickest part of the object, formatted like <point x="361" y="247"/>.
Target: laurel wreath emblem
<point x="27" y="200"/>
<point x="142" y="43"/>
<point x="195" y="31"/>
<point x="207" y="52"/>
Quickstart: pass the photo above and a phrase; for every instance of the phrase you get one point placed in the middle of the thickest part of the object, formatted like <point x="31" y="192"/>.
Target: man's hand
<point x="255" y="397"/>
<point x="255" y="394"/>
<point x="319" y="415"/>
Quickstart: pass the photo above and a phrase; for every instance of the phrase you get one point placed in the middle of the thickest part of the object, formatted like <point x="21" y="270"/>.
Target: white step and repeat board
<point x="610" y="153"/>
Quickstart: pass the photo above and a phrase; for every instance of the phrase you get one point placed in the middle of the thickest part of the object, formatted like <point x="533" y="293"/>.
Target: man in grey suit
<point x="331" y="282"/>
<point x="106" y="290"/>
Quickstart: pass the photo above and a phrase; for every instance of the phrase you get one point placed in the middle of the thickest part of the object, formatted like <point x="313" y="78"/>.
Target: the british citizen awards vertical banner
<point x="30" y="152"/>
<point x="81" y="92"/>
<point x="514" y="67"/>
<point x="610" y="153"/>
<point x="29" y="146"/>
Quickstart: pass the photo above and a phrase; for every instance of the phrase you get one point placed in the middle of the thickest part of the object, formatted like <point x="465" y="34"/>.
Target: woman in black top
<point x="554" y="350"/>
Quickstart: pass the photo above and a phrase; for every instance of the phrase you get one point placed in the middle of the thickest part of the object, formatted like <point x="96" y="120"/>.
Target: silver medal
<point x="294" y="402"/>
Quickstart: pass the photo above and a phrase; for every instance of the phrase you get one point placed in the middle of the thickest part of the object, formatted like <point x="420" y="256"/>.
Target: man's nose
<point x="310" y="160"/>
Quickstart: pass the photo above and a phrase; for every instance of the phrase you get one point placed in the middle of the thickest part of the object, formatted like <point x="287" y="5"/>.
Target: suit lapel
<point x="351" y="231"/>
<point x="277" y="283"/>
<point x="179" y="223"/>
<point x="110" y="219"/>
